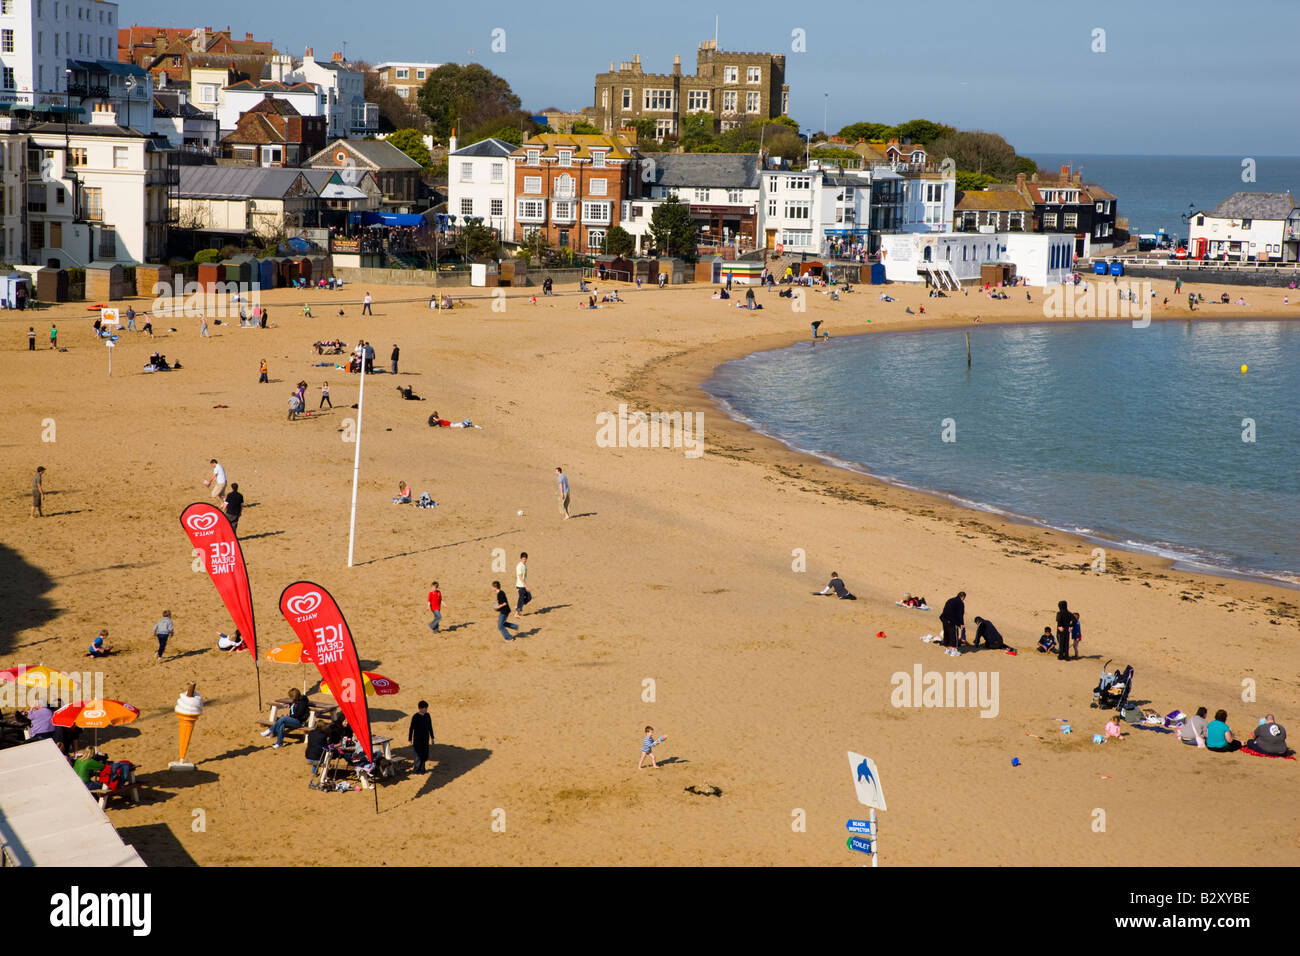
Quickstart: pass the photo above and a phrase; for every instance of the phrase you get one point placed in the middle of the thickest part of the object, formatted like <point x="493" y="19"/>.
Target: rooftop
<point x="236" y="182"/>
<point x="723" y="170"/>
<point x="1248" y="205"/>
<point x="486" y="147"/>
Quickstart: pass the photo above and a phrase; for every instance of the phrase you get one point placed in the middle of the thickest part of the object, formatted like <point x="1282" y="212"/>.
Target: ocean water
<point x="1132" y="437"/>
<point x="1154" y="192"/>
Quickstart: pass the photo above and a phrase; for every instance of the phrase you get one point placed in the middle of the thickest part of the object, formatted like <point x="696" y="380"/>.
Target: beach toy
<point x="1065" y="728"/>
<point x="880" y="633"/>
<point x="520" y="512"/>
<point x="1012" y="651"/>
<point x="1103" y="776"/>
<point x="1097" y="738"/>
<point x="1244" y="369"/>
<point x="1015" y="761"/>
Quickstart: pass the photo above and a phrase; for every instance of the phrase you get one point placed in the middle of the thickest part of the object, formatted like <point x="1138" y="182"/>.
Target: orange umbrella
<point x="291" y="653"/>
<point x="95" y="714"/>
<point x="374" y="684"/>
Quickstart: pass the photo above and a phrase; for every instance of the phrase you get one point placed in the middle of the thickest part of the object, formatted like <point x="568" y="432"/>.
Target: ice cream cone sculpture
<point x="188" y="708"/>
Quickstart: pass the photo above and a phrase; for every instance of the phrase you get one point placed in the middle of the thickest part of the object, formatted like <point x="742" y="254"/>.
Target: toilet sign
<point x="866" y="781"/>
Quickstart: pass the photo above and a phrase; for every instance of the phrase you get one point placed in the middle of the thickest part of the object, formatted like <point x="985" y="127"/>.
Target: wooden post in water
<point x="968" y="350"/>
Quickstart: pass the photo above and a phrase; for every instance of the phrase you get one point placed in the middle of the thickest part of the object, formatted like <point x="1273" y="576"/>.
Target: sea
<point x="1156" y="192"/>
<point x="1147" y="439"/>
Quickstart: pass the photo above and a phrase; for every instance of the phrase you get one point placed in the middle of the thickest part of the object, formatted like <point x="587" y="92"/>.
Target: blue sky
<point x="1186" y="77"/>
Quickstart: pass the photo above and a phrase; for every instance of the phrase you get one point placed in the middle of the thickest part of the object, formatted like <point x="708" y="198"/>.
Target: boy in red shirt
<point x="435" y="605"/>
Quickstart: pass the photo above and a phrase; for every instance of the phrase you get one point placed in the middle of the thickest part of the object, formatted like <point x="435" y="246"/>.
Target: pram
<point x="340" y="759"/>
<point x="1113" y="690"/>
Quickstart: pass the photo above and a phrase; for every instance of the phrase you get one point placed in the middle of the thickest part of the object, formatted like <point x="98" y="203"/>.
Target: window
<point x="798" y="210"/>
<point x="1245" y="223"/>
<point x="563" y="211"/>
<point x="598" y="159"/>
<point x="1101" y="207"/>
<point x="77" y="156"/>
<point x="597" y="212"/>
<point x="6" y="6"/>
<point x="771" y="208"/>
<point x="466" y="206"/>
<point x="658" y="100"/>
<point x="796" y="238"/>
<point x="207" y="92"/>
<point x="1071" y="220"/>
<point x="566" y="157"/>
<point x="752" y="74"/>
<point x="533" y="210"/>
<point x="60" y="194"/>
<point x="36" y="236"/>
<point x="534" y="158"/>
<point x="421" y="74"/>
<point x="498" y="172"/>
<point x="664" y="127"/>
<point x="107" y="243"/>
<point x="563" y="187"/>
<point x="1049" y="220"/>
<point x="498" y="207"/>
<point x="934" y="192"/>
<point x="120" y="155"/>
<point x="563" y="240"/>
<point x="729" y="101"/>
<point x="731" y="74"/>
<point x="697" y="100"/>
<point x="92" y="203"/>
<point x="36" y="197"/>
<point x="271" y="156"/>
<point x="403" y="91"/>
<point x="774" y="183"/>
<point x="598" y="187"/>
<point x="1200" y="220"/>
<point x="595" y="240"/>
<point x="532" y="184"/>
<point x="466" y="172"/>
<point x="8" y="77"/>
<point x="801" y="182"/>
<point x="735" y="197"/>
<point x="403" y="74"/>
<point x="627" y="100"/>
<point x="753" y="102"/>
<point x="6" y="40"/>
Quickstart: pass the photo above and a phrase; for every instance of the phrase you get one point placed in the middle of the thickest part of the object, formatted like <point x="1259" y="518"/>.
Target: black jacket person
<point x="953" y="618"/>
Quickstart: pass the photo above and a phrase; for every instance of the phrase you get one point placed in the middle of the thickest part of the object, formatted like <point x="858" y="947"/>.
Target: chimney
<point x="677" y="66"/>
<point x="248" y="38"/>
<point x="1078" y="177"/>
<point x="309" y="55"/>
<point x="103" y="115"/>
<point x="1065" y="174"/>
<point x="1020" y="180"/>
<point x="451" y="141"/>
<point x="628" y="133"/>
<point x="336" y="57"/>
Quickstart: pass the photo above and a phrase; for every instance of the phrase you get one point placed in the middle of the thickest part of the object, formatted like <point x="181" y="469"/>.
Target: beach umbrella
<point x="375" y="684"/>
<point x="95" y="714"/>
<point x="291" y="653"/>
<point x="38" y="675"/>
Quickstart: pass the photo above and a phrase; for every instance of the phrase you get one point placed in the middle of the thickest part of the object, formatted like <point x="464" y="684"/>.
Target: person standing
<point x="1064" y="625"/>
<point x="503" y="613"/>
<point x="563" y="481"/>
<point x="324" y="396"/>
<point x="369" y="353"/>
<point x="218" y="480"/>
<point x="163" y="630"/>
<point x="31" y="338"/>
<point x="203" y="327"/>
<point x="54" y="336"/>
<point x="435" y="605"/>
<point x="261" y="373"/>
<point x="953" y="617"/>
<point x="234" y="506"/>
<point x="38" y="492"/>
<point x="130" y="318"/>
<point x="365" y="305"/>
<point x="393" y="358"/>
<point x="420" y="734"/>
<point x="521" y="583"/>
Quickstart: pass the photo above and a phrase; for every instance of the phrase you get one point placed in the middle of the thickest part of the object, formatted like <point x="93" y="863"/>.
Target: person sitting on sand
<point x="436" y="422"/>
<point x="1218" y="735"/>
<point x="408" y="394"/>
<point x="986" y="632"/>
<point x="1114" y="730"/>
<point x="1193" y="730"/>
<point x="98" y="648"/>
<point x="1269" y="738"/>
<point x="1046" y="642"/>
<point x="721" y="294"/>
<point x="233" y="642"/>
<point x="403" y="494"/>
<point x="836" y="586"/>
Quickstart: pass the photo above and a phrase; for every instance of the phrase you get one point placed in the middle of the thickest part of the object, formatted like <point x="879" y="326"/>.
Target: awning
<point x="393" y="219"/>
<point x="339" y="191"/>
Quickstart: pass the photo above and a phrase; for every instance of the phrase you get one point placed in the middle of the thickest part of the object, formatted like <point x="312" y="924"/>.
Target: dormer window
<point x="598" y="158"/>
<point x="534" y="157"/>
<point x="566" y="157"/>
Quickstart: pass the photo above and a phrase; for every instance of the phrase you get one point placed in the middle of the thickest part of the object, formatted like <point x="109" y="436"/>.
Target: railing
<point x="1168" y="262"/>
<point x="167" y="176"/>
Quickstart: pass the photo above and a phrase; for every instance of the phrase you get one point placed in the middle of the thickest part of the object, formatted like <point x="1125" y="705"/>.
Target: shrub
<point x="207" y="255"/>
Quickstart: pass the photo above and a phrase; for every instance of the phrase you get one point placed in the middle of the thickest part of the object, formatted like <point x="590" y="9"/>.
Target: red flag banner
<point x="326" y="641"/>
<point x="210" y="532"/>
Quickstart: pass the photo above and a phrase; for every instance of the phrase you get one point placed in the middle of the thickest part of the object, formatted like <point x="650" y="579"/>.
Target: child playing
<point x="647" y="749"/>
<point x="1046" y="642"/>
<point x="1113" y="729"/>
<point x="1076" y="635"/>
<point x="97" y="646"/>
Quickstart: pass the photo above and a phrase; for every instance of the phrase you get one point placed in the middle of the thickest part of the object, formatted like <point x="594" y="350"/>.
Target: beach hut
<point x="104" y="282"/>
<point x="877" y="273"/>
<point x="265" y="273"/>
<point x="209" y="274"/>
<point x="513" y="272"/>
<point x="149" y="277"/>
<point x="284" y="271"/>
<point x="302" y="268"/>
<point x="616" y="268"/>
<point x="647" y="270"/>
<point x="13" y="291"/>
<point x="813" y="268"/>
<point x="51" y="285"/>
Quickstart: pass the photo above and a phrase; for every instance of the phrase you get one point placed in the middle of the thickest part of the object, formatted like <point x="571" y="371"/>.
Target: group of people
<point x="1269" y="737"/>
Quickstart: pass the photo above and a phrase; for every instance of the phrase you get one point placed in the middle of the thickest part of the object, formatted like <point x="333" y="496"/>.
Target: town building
<point x="188" y="128"/>
<point x="222" y="205"/>
<point x="211" y="74"/>
<point x="947" y="259"/>
<point x="166" y="52"/>
<point x="396" y="174"/>
<point x="992" y="210"/>
<point x="571" y="187"/>
<point x="273" y="133"/>
<point x="481" y="184"/>
<point x="1064" y="203"/>
<point x="350" y="116"/>
<point x="13" y="190"/>
<point x="38" y="37"/>
<point x="734" y="88"/>
<point x="404" y="79"/>
<point x="1247" y="226"/>
<point x="722" y="191"/>
<point x="127" y="89"/>
<point x="928" y="191"/>
<point x="238" y="98"/>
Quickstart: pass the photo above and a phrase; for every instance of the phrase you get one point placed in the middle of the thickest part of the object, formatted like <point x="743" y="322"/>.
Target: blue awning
<point x="393" y="219"/>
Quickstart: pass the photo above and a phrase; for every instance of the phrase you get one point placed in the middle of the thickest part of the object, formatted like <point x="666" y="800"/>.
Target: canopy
<point x="393" y="219"/>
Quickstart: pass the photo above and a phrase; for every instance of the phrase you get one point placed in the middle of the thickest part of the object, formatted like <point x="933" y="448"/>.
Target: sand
<point x="671" y="599"/>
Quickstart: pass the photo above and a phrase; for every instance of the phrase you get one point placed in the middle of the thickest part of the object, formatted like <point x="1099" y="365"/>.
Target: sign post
<point x="866" y="784"/>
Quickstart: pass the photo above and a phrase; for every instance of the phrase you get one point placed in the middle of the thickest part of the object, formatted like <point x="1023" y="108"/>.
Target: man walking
<point x="521" y="583"/>
<point x="218" y="480"/>
<point x="563" y="481"/>
<point x="234" y="506"/>
<point x="953" y="617"/>
<point x="365" y="305"/>
<point x="503" y="612"/>
<point x="420" y="734"/>
<point x="393" y="358"/>
<point x="38" y="492"/>
<point x="435" y="605"/>
<point x="163" y="630"/>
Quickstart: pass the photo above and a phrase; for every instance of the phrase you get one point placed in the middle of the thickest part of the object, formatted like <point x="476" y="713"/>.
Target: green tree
<point x="409" y="142"/>
<point x="868" y="131"/>
<point x="582" y="127"/>
<point x="645" y="129"/>
<point x="672" y="231"/>
<point x="696" y="131"/>
<point x="782" y="121"/>
<point x="972" y="182"/>
<point x="979" y="152"/>
<point x="464" y="97"/>
<point x="618" y="242"/>
<point x="1026" y="165"/>
<point x="476" y="241"/>
<point x="921" y="131"/>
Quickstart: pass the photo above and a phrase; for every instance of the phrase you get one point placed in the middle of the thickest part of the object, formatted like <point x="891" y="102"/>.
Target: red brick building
<point x="572" y="187"/>
<point x="168" y="50"/>
<point x="273" y="133"/>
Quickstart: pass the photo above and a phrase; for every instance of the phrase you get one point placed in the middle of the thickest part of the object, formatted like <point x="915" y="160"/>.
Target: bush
<point x="207" y="255"/>
<point x="229" y="252"/>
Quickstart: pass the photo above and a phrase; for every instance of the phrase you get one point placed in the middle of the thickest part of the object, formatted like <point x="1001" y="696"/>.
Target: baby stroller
<point x="1113" y="690"/>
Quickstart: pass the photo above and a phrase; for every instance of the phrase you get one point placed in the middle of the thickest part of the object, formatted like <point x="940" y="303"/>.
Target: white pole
<point x="875" y="838"/>
<point x="356" y="459"/>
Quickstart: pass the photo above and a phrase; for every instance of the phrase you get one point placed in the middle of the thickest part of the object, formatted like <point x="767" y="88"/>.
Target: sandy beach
<point x="677" y="571"/>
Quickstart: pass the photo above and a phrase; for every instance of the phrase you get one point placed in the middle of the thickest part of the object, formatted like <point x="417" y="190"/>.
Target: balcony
<point x="167" y="176"/>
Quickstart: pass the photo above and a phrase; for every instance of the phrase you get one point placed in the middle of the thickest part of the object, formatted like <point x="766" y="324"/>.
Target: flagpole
<point x="356" y="459"/>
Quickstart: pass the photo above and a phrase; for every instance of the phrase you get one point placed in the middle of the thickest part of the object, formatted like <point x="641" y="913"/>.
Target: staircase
<point x="941" y="276"/>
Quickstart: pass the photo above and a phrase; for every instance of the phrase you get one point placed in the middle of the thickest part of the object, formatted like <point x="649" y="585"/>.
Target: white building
<point x="13" y="191"/>
<point x="928" y="198"/>
<point x="791" y="214"/>
<point x="350" y="116"/>
<point x="1246" y="225"/>
<point x="38" y="37"/>
<point x="125" y="87"/>
<point x="481" y="184"/>
<point x="940" y="258"/>
<point x="103" y="198"/>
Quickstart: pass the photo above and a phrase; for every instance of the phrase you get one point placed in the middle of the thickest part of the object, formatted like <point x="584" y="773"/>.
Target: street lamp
<point x="826" y="113"/>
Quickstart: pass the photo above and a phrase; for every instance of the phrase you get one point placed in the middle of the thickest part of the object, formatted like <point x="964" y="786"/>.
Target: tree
<point x="782" y="121"/>
<point x="979" y="152"/>
<point x="618" y="242"/>
<point x="464" y="97"/>
<point x="646" y="129"/>
<point x="394" y="111"/>
<point x="476" y="241"/>
<point x="512" y="128"/>
<point x="921" y="131"/>
<point x="868" y="131"/>
<point x="582" y="127"/>
<point x="696" y="131"/>
<point x="410" y="142"/>
<point x="672" y="231"/>
<point x="972" y="182"/>
<point x="1026" y="165"/>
